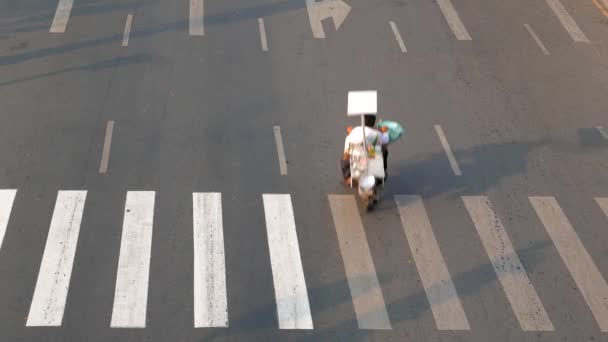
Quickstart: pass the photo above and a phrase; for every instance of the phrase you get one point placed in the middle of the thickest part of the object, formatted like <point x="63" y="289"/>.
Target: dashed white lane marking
<point x="537" y="39"/>
<point x="131" y="294"/>
<point x="451" y="16"/>
<point x="280" y="150"/>
<point x="602" y="131"/>
<point x="263" y="34"/>
<point x="585" y="273"/>
<point x="125" y="37"/>
<point x="107" y="144"/>
<point x="569" y="24"/>
<point x="440" y="291"/>
<point x="365" y="290"/>
<point x="210" y="299"/>
<point x="524" y="300"/>
<point x="62" y="15"/>
<point x="51" y="291"/>
<point x="398" y="37"/>
<point x="293" y="309"/>
<point x="448" y="150"/>
<point x="7" y="197"/>
<point x="197" y="18"/>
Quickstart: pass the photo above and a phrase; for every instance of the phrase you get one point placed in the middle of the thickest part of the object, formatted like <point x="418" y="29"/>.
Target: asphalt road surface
<point x="169" y="171"/>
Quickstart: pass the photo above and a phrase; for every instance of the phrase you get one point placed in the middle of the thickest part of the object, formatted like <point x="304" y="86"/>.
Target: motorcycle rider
<point x="355" y="136"/>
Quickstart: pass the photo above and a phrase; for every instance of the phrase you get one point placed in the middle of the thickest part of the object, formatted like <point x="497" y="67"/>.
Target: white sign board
<point x="362" y="102"/>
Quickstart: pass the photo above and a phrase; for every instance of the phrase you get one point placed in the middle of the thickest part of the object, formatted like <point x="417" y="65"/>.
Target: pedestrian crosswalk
<point x="292" y="298"/>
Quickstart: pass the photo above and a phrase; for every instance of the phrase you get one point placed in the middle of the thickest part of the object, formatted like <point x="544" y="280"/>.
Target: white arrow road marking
<point x="318" y="11"/>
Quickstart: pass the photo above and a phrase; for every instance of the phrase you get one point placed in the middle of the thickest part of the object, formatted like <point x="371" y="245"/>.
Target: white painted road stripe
<point x="398" y="37"/>
<point x="107" y="143"/>
<point x="569" y="24"/>
<point x="7" y="197"/>
<point x="280" y="150"/>
<point x="537" y="39"/>
<point x="51" y="291"/>
<point x="125" y="37"/>
<point x="210" y="300"/>
<point x="365" y="290"/>
<point x="603" y="203"/>
<point x="451" y="16"/>
<point x="197" y="18"/>
<point x="448" y="150"/>
<point x="445" y="304"/>
<point x="588" y="278"/>
<point x="524" y="300"/>
<point x="62" y="15"/>
<point x="131" y="294"/>
<point x="602" y="131"/>
<point x="293" y="309"/>
<point x="263" y="34"/>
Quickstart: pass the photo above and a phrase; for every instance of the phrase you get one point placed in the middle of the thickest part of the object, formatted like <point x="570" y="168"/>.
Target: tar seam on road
<point x="583" y="270"/>
<point x="537" y="40"/>
<point x="569" y="24"/>
<point x="107" y="143"/>
<point x="62" y="15"/>
<point x="398" y="37"/>
<point x="438" y="286"/>
<point x="509" y="270"/>
<point x="263" y="34"/>
<point x="125" y="37"/>
<point x="197" y="18"/>
<point x="280" y="150"/>
<point x="293" y="308"/>
<point x="448" y="150"/>
<point x="51" y="293"/>
<point x="365" y="290"/>
<point x="451" y="16"/>
<point x="210" y="298"/>
<point x="131" y="292"/>
<point x="602" y="131"/>
<point x="7" y="197"/>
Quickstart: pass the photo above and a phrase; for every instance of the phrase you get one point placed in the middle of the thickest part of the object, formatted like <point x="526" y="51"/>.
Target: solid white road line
<point x="125" y="37"/>
<point x="602" y="131"/>
<point x="7" y="197"/>
<point x="569" y="24"/>
<point x="280" y="150"/>
<point x="197" y="18"/>
<point x="603" y="203"/>
<point x="293" y="309"/>
<point x="107" y="143"/>
<point x="448" y="150"/>
<point x="537" y="39"/>
<point x="365" y="290"/>
<point x="51" y="291"/>
<point x="131" y="294"/>
<point x="440" y="292"/>
<point x="398" y="36"/>
<point x="451" y="16"/>
<point x="510" y="272"/>
<point x="62" y="15"/>
<point x="210" y="299"/>
<point x="263" y="34"/>
<point x="578" y="261"/>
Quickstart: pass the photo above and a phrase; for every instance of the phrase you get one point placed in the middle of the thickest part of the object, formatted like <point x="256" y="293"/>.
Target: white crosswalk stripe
<point x="7" y="197"/>
<point x="51" y="291"/>
<point x="292" y="298"/>
<point x="131" y="294"/>
<point x="293" y="308"/>
<point x="360" y="270"/>
<point x="510" y="272"/>
<point x="578" y="261"/>
<point x="210" y="299"/>
<point x="440" y="291"/>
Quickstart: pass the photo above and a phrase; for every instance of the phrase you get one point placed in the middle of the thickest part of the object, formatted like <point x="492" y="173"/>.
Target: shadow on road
<point x="115" y="62"/>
